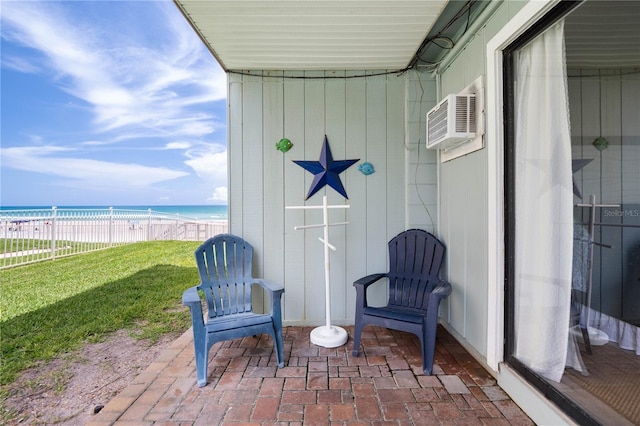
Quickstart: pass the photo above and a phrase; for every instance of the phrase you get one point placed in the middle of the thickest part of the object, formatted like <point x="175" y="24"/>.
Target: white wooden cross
<point x="596" y="337"/>
<point x="327" y="336"/>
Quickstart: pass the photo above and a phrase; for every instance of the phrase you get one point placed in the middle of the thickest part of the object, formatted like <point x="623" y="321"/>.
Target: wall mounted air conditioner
<point x="452" y="122"/>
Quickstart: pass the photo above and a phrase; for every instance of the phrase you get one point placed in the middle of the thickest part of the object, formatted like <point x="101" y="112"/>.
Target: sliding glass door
<point x="572" y="128"/>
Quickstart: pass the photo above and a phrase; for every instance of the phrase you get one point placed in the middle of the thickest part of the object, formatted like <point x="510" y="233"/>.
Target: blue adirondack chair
<point x="224" y="264"/>
<point x="415" y="292"/>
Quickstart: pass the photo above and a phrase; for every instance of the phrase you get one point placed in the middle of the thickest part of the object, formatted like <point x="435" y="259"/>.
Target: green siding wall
<point x="378" y="119"/>
<point x="463" y="185"/>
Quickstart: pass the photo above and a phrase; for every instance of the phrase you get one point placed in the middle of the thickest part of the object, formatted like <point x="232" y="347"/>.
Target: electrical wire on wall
<point x="265" y="74"/>
<point x="441" y="40"/>
<point x="444" y="43"/>
<point x="420" y="132"/>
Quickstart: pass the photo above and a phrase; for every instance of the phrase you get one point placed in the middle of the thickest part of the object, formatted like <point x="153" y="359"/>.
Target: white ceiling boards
<point x="604" y="34"/>
<point x="312" y="35"/>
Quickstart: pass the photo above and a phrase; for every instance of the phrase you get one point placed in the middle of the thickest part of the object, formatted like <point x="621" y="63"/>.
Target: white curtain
<point x="626" y="335"/>
<point x="544" y="211"/>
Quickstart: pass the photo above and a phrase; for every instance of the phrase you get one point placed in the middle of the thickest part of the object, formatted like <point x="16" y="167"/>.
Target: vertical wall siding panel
<point x="610" y="129"/>
<point x="590" y="130"/>
<point x="447" y="195"/>
<point x="273" y="128"/>
<point x="630" y="130"/>
<point x="294" y="193"/>
<point x="590" y="95"/>
<point x="575" y="115"/>
<point x="444" y="232"/>
<point x="458" y="209"/>
<point x="314" y="120"/>
<point x="395" y="148"/>
<point x="611" y="193"/>
<point x="377" y="232"/>
<point x="252" y="187"/>
<point x="476" y="255"/>
<point x="422" y="169"/>
<point x="476" y="217"/>
<point x="356" y="147"/>
<point x="453" y="217"/>
<point x="234" y="151"/>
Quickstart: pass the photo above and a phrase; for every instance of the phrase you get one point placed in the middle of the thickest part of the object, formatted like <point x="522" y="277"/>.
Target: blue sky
<point x="109" y="103"/>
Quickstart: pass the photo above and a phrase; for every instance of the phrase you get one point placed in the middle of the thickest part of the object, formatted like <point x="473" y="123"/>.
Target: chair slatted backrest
<point x="415" y="257"/>
<point x="224" y="264"/>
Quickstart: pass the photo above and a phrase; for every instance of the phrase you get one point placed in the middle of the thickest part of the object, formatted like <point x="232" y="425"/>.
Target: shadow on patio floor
<point x="383" y="386"/>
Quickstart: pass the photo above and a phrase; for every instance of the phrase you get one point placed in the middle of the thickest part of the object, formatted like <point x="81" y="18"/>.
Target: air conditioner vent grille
<point x="465" y="114"/>
<point x="438" y="122"/>
<point x="452" y="121"/>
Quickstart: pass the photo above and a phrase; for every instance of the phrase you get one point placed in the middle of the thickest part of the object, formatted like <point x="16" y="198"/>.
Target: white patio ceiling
<point x="312" y="34"/>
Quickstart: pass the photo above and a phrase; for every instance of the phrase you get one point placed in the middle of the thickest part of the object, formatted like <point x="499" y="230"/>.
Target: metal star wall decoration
<point x="576" y="165"/>
<point x="326" y="171"/>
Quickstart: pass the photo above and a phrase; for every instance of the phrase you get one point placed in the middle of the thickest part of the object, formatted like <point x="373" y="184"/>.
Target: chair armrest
<point x="361" y="286"/>
<point x="276" y="291"/>
<point x="368" y="280"/>
<point x="439" y="292"/>
<point x="190" y="297"/>
<point x="271" y="286"/>
<point x="442" y="290"/>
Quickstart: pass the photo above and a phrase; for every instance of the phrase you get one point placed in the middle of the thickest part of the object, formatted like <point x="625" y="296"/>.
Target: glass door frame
<point x="568" y="406"/>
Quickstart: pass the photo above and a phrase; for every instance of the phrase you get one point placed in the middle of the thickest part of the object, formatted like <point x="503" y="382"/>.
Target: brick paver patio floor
<point x="317" y="386"/>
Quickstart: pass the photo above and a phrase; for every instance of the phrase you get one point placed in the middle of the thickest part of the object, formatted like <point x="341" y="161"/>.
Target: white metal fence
<point x="32" y="235"/>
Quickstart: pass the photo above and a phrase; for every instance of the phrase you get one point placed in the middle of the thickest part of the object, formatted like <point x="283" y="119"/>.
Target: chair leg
<point x="586" y="339"/>
<point x="202" y="360"/>
<point x="279" y="348"/>
<point x="428" y="344"/>
<point x="357" y="331"/>
<point x="276" y="335"/>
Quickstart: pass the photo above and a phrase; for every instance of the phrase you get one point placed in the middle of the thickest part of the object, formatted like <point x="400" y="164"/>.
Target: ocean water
<point x="204" y="212"/>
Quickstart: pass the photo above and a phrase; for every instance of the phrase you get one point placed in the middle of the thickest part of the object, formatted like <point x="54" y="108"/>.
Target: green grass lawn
<point x="53" y="307"/>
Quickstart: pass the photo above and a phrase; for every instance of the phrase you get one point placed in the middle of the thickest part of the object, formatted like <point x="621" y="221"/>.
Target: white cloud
<point x="21" y="65"/>
<point x="177" y="145"/>
<point x="93" y="143"/>
<point x="147" y="86"/>
<point x="91" y="174"/>
<point x="125" y="80"/>
<point x="209" y="162"/>
<point x="219" y="195"/>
